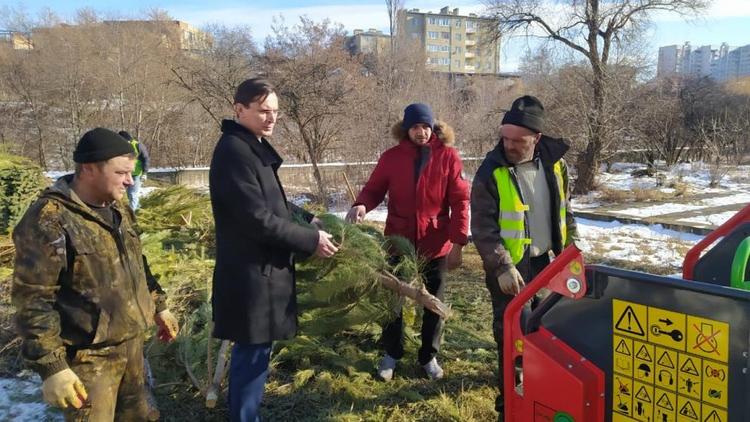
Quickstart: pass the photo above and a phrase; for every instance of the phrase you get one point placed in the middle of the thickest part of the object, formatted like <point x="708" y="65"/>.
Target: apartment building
<point x="372" y="41"/>
<point x="15" y="40"/>
<point x="453" y="43"/>
<point x="721" y="63"/>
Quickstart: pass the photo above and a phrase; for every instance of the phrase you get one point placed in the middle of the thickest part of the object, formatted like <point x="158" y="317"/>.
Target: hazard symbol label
<point x="666" y="406"/>
<point x="708" y="338"/>
<point x="715" y="383"/>
<point x="622" y="359"/>
<point x="713" y="414"/>
<point x="643" y="362"/>
<point x="665" y="371"/>
<point x="689" y="375"/>
<point x="622" y="394"/>
<point x="666" y="328"/>
<point x="629" y="318"/>
<point x="643" y="402"/>
<point x="688" y="409"/>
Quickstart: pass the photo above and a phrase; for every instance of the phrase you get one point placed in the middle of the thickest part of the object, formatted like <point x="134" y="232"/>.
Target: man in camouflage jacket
<point x="83" y="294"/>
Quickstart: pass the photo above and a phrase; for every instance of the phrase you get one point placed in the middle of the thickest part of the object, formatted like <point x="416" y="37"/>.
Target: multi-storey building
<point x="453" y="43"/>
<point x="15" y="40"/>
<point x="373" y="42"/>
<point x="721" y="63"/>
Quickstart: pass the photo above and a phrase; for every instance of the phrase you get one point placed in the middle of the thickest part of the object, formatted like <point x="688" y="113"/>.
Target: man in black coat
<point x="254" y="294"/>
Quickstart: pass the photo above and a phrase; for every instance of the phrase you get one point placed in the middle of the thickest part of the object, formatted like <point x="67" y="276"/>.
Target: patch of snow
<point x="54" y="175"/>
<point x="652" y="244"/>
<point x="657" y="210"/>
<point x="742" y="198"/>
<point x="21" y="400"/>
<point x="712" y="219"/>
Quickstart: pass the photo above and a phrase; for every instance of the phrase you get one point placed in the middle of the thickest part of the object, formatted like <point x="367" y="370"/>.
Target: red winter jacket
<point x="419" y="211"/>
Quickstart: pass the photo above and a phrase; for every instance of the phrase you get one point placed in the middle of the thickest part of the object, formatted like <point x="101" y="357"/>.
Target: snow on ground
<point x="657" y="210"/>
<point x="636" y="243"/>
<point x="21" y="400"/>
<point x="713" y="219"/>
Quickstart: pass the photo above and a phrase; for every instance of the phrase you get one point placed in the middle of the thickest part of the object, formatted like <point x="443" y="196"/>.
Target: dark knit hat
<point x="126" y="135"/>
<point x="526" y="111"/>
<point x="417" y="113"/>
<point x="100" y="145"/>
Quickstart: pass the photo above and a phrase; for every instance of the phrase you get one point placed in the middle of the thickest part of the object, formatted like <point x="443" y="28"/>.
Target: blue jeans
<point x="248" y="371"/>
<point x="134" y="192"/>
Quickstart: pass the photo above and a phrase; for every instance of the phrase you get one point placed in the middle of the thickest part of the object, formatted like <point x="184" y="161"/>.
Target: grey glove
<point x="510" y="281"/>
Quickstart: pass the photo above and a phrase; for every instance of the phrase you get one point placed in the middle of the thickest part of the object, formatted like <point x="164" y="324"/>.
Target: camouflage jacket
<point x="78" y="282"/>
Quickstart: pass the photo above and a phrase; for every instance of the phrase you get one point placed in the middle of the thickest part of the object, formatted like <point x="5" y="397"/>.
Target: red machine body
<point x="554" y="383"/>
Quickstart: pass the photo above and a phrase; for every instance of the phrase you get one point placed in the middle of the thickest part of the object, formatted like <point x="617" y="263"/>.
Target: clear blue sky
<point x="727" y="20"/>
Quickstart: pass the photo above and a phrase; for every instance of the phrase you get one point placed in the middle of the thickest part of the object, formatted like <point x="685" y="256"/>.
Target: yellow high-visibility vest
<point x="512" y="219"/>
<point x="138" y="170"/>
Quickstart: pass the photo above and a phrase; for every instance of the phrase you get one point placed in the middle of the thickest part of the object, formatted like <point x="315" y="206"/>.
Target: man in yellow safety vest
<point x="520" y="211"/>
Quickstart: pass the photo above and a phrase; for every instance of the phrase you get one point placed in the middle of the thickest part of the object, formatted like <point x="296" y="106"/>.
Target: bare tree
<point x="320" y="88"/>
<point x="594" y="29"/>
<point x="394" y="7"/>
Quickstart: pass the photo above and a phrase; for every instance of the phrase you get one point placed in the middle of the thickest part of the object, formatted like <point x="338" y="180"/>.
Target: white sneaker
<point x="386" y="367"/>
<point x="434" y="371"/>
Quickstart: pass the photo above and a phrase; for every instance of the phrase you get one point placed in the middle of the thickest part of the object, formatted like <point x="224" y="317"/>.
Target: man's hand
<point x="325" y="248"/>
<point x="454" y="258"/>
<point x="510" y="281"/>
<point x="356" y="214"/>
<point x="168" y="326"/>
<point x="64" y="389"/>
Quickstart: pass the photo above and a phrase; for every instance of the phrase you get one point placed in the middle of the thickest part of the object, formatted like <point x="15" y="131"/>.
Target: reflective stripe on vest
<point x="563" y="206"/>
<point x="138" y="170"/>
<point x="512" y="212"/>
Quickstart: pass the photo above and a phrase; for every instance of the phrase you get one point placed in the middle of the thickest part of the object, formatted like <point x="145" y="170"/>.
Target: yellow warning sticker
<point x="665" y="371"/>
<point x="713" y="414"/>
<point x="689" y="375"/>
<point x="623" y="394"/>
<point x="622" y="359"/>
<point x="643" y="402"/>
<point x="708" y="338"/>
<point x="666" y="328"/>
<point x="668" y="366"/>
<point x="665" y="408"/>
<point x="629" y="318"/>
<point x="643" y="362"/>
<point x="715" y="383"/>
<point x="688" y="410"/>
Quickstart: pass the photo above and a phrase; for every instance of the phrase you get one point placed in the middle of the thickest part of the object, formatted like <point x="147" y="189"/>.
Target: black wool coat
<point x="254" y="295"/>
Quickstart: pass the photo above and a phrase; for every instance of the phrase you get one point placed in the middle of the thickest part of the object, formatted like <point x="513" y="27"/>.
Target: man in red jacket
<point x="428" y="204"/>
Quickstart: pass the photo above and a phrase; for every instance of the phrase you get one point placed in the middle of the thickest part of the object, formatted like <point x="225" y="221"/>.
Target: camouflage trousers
<point x="114" y="380"/>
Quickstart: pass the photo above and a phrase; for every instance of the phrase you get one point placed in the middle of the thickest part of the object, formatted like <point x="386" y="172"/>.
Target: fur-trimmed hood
<point x="443" y="131"/>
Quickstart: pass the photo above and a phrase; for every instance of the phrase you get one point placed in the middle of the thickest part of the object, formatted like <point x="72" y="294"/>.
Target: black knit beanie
<point x="417" y="113"/>
<point x="526" y="111"/>
<point x="100" y="145"/>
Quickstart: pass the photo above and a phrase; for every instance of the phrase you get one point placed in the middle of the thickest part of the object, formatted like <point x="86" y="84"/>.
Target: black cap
<point x="100" y="144"/>
<point x="526" y="111"/>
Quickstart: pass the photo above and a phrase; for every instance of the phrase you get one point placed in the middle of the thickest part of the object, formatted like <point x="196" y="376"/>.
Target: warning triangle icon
<point x="666" y="361"/>
<point x="643" y="395"/>
<point x="628" y="322"/>
<point x="713" y="417"/>
<point x="643" y="354"/>
<point x="664" y="402"/>
<point x="689" y="367"/>
<point x="622" y="348"/>
<point x="689" y="411"/>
